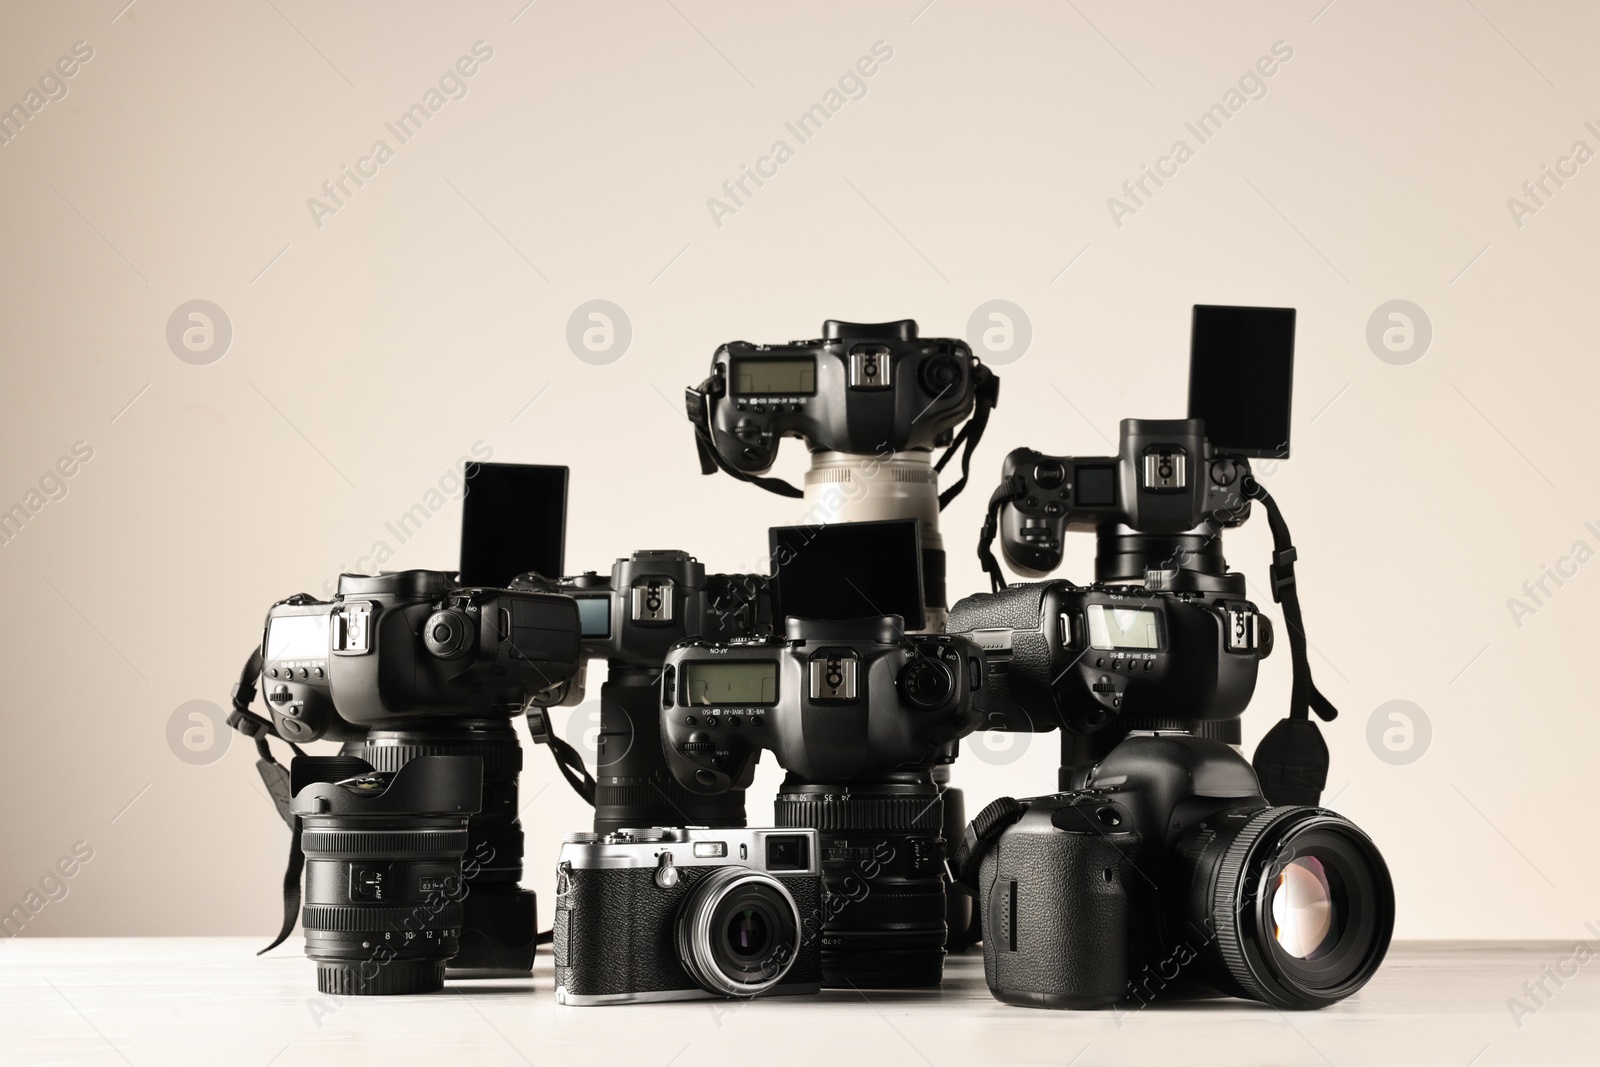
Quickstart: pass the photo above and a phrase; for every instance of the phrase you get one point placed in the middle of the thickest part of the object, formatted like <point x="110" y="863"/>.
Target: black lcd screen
<point x="848" y="570"/>
<point x="1241" y="374"/>
<point x="514" y="520"/>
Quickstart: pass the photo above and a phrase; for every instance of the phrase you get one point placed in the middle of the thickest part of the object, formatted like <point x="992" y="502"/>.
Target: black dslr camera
<point x="1080" y="658"/>
<point x="1165" y="872"/>
<point x="411" y="664"/>
<point x="1157" y="509"/>
<point x="871" y="401"/>
<point x="1167" y="489"/>
<point x="411" y="645"/>
<point x="859" y="714"/>
<point x="679" y="914"/>
<point x="651" y="601"/>
<point x="862" y="388"/>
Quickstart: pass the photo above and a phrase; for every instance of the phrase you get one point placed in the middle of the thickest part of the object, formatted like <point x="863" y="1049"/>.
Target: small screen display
<point x="594" y="615"/>
<point x="1117" y="628"/>
<point x="1241" y="372"/>
<point x="743" y="682"/>
<point x="767" y="377"/>
<point x="513" y="520"/>
<point x="1097" y="487"/>
<point x="853" y="570"/>
<point x="297" y="637"/>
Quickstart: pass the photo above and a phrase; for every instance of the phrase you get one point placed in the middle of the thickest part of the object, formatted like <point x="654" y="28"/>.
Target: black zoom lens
<point x="882" y="917"/>
<point x="1300" y="902"/>
<point x="383" y="870"/>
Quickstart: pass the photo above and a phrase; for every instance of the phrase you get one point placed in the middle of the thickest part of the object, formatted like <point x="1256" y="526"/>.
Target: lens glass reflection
<point x="1305" y="916"/>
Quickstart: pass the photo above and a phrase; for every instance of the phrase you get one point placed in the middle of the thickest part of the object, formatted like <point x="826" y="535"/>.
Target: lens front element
<point x="1305" y="917"/>
<point x="739" y="932"/>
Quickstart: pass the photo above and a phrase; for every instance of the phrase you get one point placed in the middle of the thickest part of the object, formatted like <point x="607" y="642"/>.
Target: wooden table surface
<point x="174" y="1001"/>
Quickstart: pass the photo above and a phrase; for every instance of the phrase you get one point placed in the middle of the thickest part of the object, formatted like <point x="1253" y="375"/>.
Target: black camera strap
<point x="275" y="776"/>
<point x="568" y="761"/>
<point x="976" y="840"/>
<point x="986" y="395"/>
<point x="1292" y="760"/>
<point x="1010" y="489"/>
<point x="697" y="402"/>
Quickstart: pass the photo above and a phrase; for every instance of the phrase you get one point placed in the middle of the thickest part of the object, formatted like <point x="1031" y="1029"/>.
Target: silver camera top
<point x="776" y="851"/>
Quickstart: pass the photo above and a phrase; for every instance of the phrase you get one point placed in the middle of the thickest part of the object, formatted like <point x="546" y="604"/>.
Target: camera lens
<point x="748" y="934"/>
<point x="632" y="784"/>
<point x="883" y="911"/>
<point x="739" y="932"/>
<point x="497" y="938"/>
<point x="1301" y="903"/>
<point x="383" y="882"/>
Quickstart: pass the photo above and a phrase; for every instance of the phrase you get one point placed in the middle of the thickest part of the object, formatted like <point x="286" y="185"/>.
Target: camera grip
<point x="1055" y="918"/>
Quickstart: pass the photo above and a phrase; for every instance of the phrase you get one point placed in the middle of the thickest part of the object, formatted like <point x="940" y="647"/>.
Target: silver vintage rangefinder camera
<point x="673" y="913"/>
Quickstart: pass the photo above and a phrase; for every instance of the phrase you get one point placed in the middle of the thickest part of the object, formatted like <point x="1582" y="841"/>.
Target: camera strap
<point x="275" y="776"/>
<point x="568" y="761"/>
<point x="1292" y="760"/>
<point x="986" y="396"/>
<point x="697" y="402"/>
<point x="1010" y="489"/>
<point x="976" y="840"/>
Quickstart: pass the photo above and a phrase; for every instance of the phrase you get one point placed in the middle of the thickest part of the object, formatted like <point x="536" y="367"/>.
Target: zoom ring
<point x="356" y="919"/>
<point x="881" y="908"/>
<point x="500" y="760"/>
<point x="850" y="813"/>
<point x="379" y="844"/>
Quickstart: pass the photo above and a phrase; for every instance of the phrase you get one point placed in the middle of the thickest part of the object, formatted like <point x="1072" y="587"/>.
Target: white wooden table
<point x="173" y="1001"/>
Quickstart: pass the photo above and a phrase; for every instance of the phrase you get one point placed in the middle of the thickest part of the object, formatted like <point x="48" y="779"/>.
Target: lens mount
<point x="1303" y="907"/>
<point x="739" y="932"/>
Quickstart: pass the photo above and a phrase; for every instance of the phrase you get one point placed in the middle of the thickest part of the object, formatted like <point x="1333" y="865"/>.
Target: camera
<point x="871" y="401"/>
<point x="652" y="600"/>
<point x="1159" y="505"/>
<point x="411" y="646"/>
<point x="861" y="389"/>
<point x="412" y="664"/>
<point x="1081" y="658"/>
<point x="1165" y="872"/>
<point x="678" y="914"/>
<point x="834" y="700"/>
<point x="859" y="714"/>
<point x="384" y="879"/>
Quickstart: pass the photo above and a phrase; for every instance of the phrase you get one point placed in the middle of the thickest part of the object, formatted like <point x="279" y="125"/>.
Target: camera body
<point x="1079" y="658"/>
<point x="653" y="599"/>
<point x="1166" y="480"/>
<point x="411" y="645"/>
<point x="833" y="700"/>
<point x="1166" y="870"/>
<point x="678" y="914"/>
<point x="861" y="389"/>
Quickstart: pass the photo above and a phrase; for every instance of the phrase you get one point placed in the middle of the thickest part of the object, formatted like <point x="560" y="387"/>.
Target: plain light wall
<point x="374" y="346"/>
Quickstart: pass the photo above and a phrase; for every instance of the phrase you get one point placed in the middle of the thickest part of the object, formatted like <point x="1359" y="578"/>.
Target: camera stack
<point x="1166" y="864"/>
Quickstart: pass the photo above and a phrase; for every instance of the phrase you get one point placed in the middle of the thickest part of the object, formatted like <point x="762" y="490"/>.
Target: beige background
<point x="430" y="313"/>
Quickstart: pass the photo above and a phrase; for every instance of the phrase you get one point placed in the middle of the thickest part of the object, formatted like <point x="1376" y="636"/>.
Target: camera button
<point x="688" y="720"/>
<point x="1049" y="474"/>
<point x="733" y="721"/>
